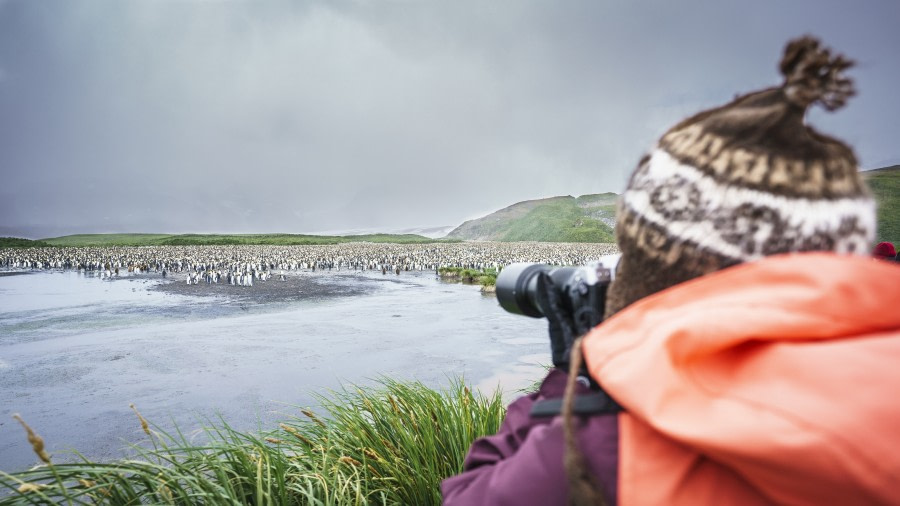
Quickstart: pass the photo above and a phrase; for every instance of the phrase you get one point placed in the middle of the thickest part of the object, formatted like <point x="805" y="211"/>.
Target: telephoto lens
<point x="517" y="288"/>
<point x="580" y="289"/>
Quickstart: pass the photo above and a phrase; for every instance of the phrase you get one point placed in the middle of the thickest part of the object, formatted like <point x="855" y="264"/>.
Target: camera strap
<point x="594" y="403"/>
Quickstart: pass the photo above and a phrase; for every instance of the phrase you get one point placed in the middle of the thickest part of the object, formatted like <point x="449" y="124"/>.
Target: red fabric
<point x="770" y="382"/>
<point x="885" y="250"/>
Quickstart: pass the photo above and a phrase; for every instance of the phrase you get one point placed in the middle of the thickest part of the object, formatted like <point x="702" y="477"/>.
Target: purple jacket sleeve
<point x="523" y="463"/>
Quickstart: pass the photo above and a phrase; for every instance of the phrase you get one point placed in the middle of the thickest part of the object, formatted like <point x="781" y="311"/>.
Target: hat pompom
<point x="813" y="75"/>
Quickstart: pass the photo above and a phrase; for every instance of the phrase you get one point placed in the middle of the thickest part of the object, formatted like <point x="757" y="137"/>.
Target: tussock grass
<point x="483" y="277"/>
<point x="388" y="444"/>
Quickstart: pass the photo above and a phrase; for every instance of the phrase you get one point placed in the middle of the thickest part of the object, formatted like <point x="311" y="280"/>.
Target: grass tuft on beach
<point x="483" y="277"/>
<point x="388" y="444"/>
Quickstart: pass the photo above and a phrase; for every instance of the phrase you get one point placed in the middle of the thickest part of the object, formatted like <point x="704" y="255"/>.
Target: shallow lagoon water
<point x="76" y="350"/>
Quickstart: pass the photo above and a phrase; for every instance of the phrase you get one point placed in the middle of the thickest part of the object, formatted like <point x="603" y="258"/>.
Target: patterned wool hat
<point x="743" y="181"/>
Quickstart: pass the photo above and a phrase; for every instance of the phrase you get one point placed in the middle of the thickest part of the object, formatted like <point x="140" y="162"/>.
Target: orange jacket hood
<point x="772" y="381"/>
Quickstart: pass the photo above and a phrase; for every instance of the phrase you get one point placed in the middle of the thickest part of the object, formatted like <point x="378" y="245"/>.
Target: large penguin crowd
<point x="242" y="265"/>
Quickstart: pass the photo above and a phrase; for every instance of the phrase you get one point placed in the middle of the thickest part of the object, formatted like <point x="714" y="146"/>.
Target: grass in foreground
<point x="389" y="444"/>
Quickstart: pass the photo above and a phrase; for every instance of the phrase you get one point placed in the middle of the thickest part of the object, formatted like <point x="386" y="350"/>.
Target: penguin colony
<point x="242" y="265"/>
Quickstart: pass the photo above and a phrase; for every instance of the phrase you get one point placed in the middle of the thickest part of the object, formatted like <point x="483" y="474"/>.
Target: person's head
<point x="884" y="251"/>
<point x="744" y="181"/>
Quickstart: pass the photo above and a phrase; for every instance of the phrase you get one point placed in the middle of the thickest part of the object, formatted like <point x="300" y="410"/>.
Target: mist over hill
<point x="588" y="218"/>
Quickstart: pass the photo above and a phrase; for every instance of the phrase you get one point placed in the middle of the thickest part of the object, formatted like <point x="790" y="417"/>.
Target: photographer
<point x="750" y="349"/>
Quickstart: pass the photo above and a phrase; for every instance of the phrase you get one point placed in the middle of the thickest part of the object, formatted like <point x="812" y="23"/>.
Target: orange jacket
<point x="773" y="381"/>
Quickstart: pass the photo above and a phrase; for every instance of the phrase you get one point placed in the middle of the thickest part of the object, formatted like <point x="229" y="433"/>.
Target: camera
<point x="578" y="291"/>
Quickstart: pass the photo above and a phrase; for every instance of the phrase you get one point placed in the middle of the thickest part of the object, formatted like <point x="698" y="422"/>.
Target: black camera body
<point x="578" y="291"/>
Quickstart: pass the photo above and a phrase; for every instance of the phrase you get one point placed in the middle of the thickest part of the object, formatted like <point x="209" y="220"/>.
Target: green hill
<point x="588" y="218"/>
<point x="232" y="239"/>
<point x="885" y="185"/>
<point x="591" y="218"/>
<point x="15" y="242"/>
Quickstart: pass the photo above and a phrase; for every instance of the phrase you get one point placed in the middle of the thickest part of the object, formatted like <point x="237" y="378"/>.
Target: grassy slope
<point x="885" y="185"/>
<point x="568" y="219"/>
<point x="597" y="199"/>
<point x="106" y="240"/>
<point x="494" y="225"/>
<point x="560" y="221"/>
<point x="218" y="239"/>
<point x="555" y="219"/>
<point x="15" y="242"/>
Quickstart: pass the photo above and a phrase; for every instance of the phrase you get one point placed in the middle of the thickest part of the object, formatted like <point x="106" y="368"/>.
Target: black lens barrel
<point x="517" y="288"/>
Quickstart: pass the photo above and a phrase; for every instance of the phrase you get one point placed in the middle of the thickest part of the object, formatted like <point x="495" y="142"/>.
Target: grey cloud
<point x="307" y="116"/>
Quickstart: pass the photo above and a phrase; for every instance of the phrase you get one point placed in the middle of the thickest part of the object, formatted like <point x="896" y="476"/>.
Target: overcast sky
<point x="289" y="116"/>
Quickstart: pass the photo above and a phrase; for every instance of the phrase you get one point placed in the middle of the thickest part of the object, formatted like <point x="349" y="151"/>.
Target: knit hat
<point x="884" y="250"/>
<point x="743" y="181"/>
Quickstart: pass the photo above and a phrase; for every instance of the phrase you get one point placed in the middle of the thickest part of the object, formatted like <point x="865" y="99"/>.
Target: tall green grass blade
<point x="388" y="444"/>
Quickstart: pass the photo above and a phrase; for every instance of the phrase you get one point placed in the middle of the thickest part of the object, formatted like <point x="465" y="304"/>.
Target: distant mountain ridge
<point x="588" y="218"/>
